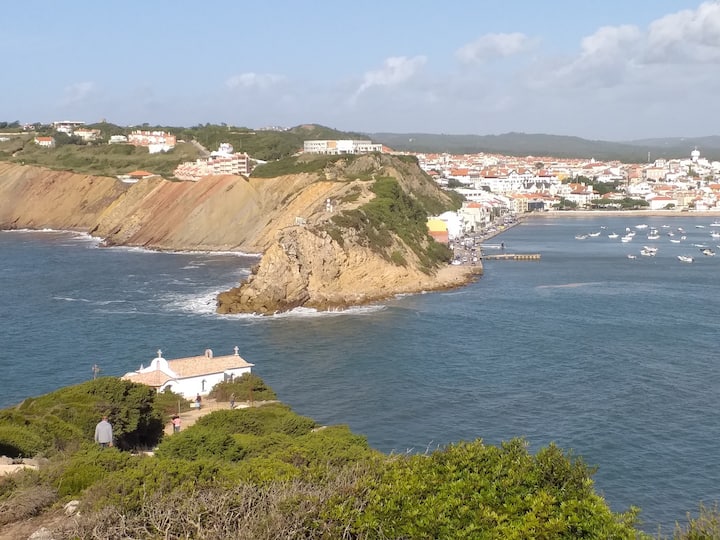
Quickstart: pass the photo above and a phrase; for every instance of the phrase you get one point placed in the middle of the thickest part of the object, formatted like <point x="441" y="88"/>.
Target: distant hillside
<point x="527" y="144"/>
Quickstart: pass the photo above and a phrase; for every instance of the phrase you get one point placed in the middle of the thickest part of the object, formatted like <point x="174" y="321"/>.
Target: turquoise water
<point x="611" y="357"/>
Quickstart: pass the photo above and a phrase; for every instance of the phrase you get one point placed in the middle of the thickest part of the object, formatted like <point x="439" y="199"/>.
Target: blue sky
<point x="612" y="70"/>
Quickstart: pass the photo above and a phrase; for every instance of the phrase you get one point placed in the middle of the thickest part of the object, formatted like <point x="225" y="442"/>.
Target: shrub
<point x="247" y="387"/>
<point x="271" y="418"/>
<point x="201" y="443"/>
<point x="17" y="441"/>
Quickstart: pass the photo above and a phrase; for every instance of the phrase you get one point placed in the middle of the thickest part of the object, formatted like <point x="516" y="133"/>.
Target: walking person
<point x="104" y="433"/>
<point x="175" y="423"/>
<point x="198" y="401"/>
<point x="232" y="401"/>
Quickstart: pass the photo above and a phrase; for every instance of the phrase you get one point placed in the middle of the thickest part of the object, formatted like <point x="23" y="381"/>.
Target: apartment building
<point x="341" y="146"/>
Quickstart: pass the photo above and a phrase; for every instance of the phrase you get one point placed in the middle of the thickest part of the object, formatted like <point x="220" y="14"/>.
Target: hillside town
<point x="493" y="186"/>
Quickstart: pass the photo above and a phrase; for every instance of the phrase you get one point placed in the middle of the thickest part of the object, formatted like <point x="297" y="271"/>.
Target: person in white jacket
<point x="103" y="432"/>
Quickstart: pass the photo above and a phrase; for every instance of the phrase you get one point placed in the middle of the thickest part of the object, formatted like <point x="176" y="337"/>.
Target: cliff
<point x="315" y="255"/>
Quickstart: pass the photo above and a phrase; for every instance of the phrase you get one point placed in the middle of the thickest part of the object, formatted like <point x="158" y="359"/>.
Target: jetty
<point x="512" y="257"/>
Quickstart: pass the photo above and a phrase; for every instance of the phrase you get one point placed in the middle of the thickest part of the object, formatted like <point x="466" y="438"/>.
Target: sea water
<point x="610" y="357"/>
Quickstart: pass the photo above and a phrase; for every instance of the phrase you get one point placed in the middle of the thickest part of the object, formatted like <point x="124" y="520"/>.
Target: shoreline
<point x="618" y="213"/>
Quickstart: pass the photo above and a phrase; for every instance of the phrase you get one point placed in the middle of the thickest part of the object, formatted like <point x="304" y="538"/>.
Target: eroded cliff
<point x="321" y="245"/>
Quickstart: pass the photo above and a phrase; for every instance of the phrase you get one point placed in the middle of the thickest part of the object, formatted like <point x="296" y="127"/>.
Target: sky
<point x="613" y="70"/>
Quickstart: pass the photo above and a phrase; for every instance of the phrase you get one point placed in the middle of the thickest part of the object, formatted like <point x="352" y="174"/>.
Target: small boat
<point x="631" y="256"/>
<point x="699" y="226"/>
<point x="648" y="252"/>
<point x="685" y="258"/>
<point x="675" y="240"/>
<point x="594" y="234"/>
<point x="707" y="252"/>
<point x="683" y="237"/>
<point x="653" y="236"/>
<point x="715" y="234"/>
<point x="626" y="238"/>
<point x="641" y="226"/>
<point x="715" y="223"/>
<point x="680" y="229"/>
<point x="581" y="236"/>
<point x="613" y="235"/>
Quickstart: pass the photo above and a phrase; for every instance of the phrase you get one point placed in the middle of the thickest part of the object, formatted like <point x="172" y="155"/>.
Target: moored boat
<point x="685" y="258"/>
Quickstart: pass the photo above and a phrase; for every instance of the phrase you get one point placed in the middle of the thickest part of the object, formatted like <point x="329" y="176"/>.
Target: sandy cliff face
<point x="285" y="218"/>
<point x="310" y="269"/>
<point x="36" y="198"/>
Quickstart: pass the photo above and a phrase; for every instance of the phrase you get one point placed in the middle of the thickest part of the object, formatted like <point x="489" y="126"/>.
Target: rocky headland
<point x="321" y="245"/>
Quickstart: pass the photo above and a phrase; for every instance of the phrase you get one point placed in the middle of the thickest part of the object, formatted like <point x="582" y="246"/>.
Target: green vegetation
<point x="248" y="387"/>
<point x="532" y="144"/>
<point x="296" y="165"/>
<point x="622" y="204"/>
<point x="393" y="211"/>
<point x="266" y="145"/>
<point x="55" y="422"/>
<point x="102" y="159"/>
<point x="266" y="472"/>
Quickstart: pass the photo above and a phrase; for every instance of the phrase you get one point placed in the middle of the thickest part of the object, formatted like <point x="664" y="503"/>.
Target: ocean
<point x="611" y="358"/>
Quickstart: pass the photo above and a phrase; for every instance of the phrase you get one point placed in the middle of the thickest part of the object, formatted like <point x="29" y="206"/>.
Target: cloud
<point x="78" y="92"/>
<point x="491" y="46"/>
<point x="686" y="36"/>
<point x="395" y="70"/>
<point x="254" y="80"/>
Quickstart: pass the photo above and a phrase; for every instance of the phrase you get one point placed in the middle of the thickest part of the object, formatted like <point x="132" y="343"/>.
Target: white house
<point x="190" y="376"/>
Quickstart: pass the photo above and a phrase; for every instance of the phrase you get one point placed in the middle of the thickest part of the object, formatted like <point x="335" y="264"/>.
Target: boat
<point x="715" y="234"/>
<point x="594" y="234"/>
<point x="699" y="226"/>
<point x="685" y="258"/>
<point x="707" y="252"/>
<point x="631" y="256"/>
<point x="648" y="252"/>
<point x="613" y="235"/>
<point x="653" y="236"/>
<point x="641" y="226"/>
<point x="715" y="223"/>
<point x="675" y="240"/>
<point x="581" y="236"/>
<point x="626" y="238"/>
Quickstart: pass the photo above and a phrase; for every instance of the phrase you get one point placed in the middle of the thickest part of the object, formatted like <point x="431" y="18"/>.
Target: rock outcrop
<point x="307" y="261"/>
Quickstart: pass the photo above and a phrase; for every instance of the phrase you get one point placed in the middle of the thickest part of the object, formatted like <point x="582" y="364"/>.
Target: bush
<point x="201" y="443"/>
<point x="271" y="418"/>
<point x="247" y="387"/>
<point x="17" y="441"/>
<point x="69" y="415"/>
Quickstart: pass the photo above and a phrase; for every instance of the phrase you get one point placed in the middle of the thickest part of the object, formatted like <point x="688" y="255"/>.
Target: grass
<point x="105" y="160"/>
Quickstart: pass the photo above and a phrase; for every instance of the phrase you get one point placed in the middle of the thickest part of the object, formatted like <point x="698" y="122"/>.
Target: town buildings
<point x="154" y="141"/>
<point x="341" y="146"/>
<point x="45" y="142"/>
<point x="496" y="184"/>
<point x="222" y="161"/>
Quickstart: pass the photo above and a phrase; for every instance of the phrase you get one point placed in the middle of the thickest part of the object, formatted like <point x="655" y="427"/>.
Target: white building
<point x="190" y="376"/>
<point x="155" y="141"/>
<point x="222" y="161"/>
<point x="67" y="126"/>
<point x="45" y="142"/>
<point x="342" y="146"/>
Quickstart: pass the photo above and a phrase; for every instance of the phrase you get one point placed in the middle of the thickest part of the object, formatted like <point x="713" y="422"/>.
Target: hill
<point x="526" y="144"/>
<point x="266" y="472"/>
